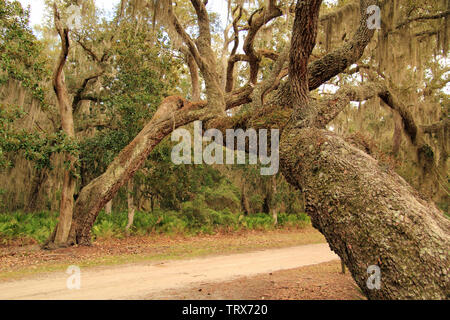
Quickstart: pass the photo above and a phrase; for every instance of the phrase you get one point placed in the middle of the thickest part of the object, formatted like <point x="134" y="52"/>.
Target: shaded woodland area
<point x="86" y="116"/>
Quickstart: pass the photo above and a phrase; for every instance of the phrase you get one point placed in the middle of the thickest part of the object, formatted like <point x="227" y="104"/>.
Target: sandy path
<point x="139" y="280"/>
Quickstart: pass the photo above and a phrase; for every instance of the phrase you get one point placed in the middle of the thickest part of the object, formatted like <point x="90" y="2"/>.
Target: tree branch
<point x="195" y="81"/>
<point x="325" y="68"/>
<point x="185" y="37"/>
<point x="58" y="76"/>
<point x="231" y="60"/>
<point x="204" y="40"/>
<point x="304" y="36"/>
<point x="79" y="93"/>
<point x="424" y="17"/>
<point x="436" y="127"/>
<point x="203" y="54"/>
<point x="258" y="19"/>
<point x="273" y="79"/>
<point x="89" y="51"/>
<point x="408" y="121"/>
<point x="338" y="12"/>
<point x="329" y="109"/>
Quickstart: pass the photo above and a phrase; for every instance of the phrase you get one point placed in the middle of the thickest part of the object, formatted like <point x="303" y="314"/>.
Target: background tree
<point x="24" y="79"/>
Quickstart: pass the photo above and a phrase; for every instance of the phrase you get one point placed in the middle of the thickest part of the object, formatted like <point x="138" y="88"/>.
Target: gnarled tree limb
<point x="340" y="59"/>
<point x="258" y="19"/>
<point x="304" y="35"/>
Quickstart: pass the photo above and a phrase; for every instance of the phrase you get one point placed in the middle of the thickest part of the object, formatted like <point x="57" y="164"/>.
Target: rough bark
<point x="65" y="110"/>
<point x="302" y="44"/>
<point x="244" y="201"/>
<point x="108" y="208"/>
<point x="38" y="180"/>
<point x="274" y="204"/>
<point x="397" y="137"/>
<point x="369" y="216"/>
<point x="131" y="207"/>
<point x="342" y="266"/>
<point x="195" y="80"/>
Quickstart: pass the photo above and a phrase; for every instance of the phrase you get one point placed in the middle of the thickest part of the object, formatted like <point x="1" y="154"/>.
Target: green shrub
<point x="2" y="194"/>
<point x="260" y="221"/>
<point x="27" y="226"/>
<point x="194" y="218"/>
<point x="105" y="229"/>
<point x="293" y="220"/>
<point x="195" y="213"/>
<point x="225" y="196"/>
<point x="256" y="202"/>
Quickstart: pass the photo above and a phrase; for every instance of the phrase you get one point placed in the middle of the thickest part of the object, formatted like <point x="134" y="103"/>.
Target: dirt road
<point x="138" y="281"/>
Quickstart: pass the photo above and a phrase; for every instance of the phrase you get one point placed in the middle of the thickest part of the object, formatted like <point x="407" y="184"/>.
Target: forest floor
<point x="281" y="264"/>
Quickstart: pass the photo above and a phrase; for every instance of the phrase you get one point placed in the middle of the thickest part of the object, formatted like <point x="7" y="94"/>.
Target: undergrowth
<point x="26" y="228"/>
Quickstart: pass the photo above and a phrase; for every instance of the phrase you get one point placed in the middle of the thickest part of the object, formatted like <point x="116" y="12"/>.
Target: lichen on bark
<point x="370" y="216"/>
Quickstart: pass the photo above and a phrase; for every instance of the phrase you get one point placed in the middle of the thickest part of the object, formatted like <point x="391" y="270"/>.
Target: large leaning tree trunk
<point x="174" y="112"/>
<point x="369" y="216"/>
